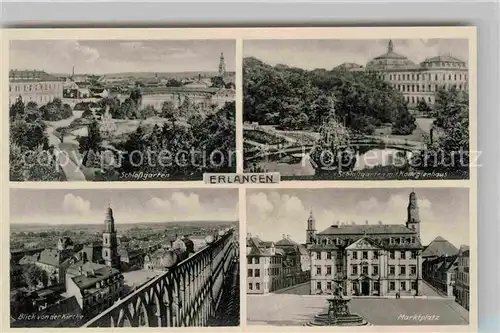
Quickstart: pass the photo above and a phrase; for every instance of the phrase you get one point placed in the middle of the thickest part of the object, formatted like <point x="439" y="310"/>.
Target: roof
<point x="439" y="247"/>
<point x="100" y="272"/>
<point x="286" y="241"/>
<point x="369" y="229"/>
<point x="261" y="248"/>
<point x="31" y="76"/>
<point x="443" y="58"/>
<point x="51" y="257"/>
<point x="173" y="90"/>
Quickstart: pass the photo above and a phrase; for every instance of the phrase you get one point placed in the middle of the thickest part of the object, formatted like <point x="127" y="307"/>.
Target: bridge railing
<point x="185" y="295"/>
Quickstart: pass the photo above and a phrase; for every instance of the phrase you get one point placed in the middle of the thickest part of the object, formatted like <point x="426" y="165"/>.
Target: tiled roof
<point x="100" y="272"/>
<point x="369" y="229"/>
<point x="31" y="76"/>
<point x="439" y="247"/>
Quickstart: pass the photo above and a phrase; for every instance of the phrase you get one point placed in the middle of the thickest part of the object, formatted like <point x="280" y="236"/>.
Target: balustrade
<point x="187" y="294"/>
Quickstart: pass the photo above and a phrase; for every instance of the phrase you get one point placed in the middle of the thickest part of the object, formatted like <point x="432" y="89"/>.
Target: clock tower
<point x="109" y="241"/>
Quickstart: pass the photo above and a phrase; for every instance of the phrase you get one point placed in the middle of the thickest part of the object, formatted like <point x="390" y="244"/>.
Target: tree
<point x="34" y="165"/>
<point x="92" y="141"/>
<point x="28" y="135"/>
<point x="136" y="96"/>
<point x="148" y="112"/>
<point x="17" y="108"/>
<point x="217" y="82"/>
<point x="168" y="111"/>
<point x="195" y="119"/>
<point x="33" y="275"/>
<point x="423" y="107"/>
<point x="404" y="124"/>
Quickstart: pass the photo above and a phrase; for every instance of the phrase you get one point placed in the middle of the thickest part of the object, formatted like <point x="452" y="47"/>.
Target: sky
<point x="70" y="207"/>
<point x="311" y="54"/>
<point x="272" y="213"/>
<point x="115" y="56"/>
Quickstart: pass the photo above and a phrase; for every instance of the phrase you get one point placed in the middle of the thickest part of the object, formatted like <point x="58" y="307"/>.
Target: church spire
<point x="109" y="221"/>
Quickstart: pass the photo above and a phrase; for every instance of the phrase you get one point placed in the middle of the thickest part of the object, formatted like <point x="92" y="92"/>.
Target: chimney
<point x="380" y="222"/>
<point x="80" y="270"/>
<point x="288" y="236"/>
<point x="283" y="236"/>
<point x="366" y="222"/>
<point x="93" y="272"/>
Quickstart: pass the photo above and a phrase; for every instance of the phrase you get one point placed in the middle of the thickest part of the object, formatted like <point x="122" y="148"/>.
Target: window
<point x="318" y="255"/>
<point x="455" y="77"/>
<point x="365" y="270"/>
<point x="414" y="254"/>
<point x="402" y="270"/>
<point x="436" y="77"/>
<point x="355" y="255"/>
<point x="376" y="286"/>
<point x="329" y="285"/>
<point x="339" y="269"/>
<point x="392" y="285"/>
<point x="257" y="286"/>
<point x="328" y="255"/>
<point x="257" y="272"/>
<point x="403" y="285"/>
<point x="328" y="270"/>
<point x="375" y="269"/>
<point x="318" y="285"/>
<point x="250" y="286"/>
<point x="449" y="77"/>
<point x="392" y="255"/>
<point x="403" y="255"/>
<point x="375" y="255"/>
<point x="392" y="270"/>
<point x="250" y="271"/>
<point x="413" y="270"/>
<point x="413" y="285"/>
<point x="318" y="270"/>
<point x="365" y="254"/>
<point x="354" y="270"/>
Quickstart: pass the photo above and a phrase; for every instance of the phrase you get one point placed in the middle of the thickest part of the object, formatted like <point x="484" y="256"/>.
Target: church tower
<point x="109" y="241"/>
<point x="413" y="218"/>
<point x="311" y="228"/>
<point x="222" y="65"/>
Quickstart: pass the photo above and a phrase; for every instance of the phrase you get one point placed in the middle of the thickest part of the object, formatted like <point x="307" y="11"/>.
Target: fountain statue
<point x="338" y="313"/>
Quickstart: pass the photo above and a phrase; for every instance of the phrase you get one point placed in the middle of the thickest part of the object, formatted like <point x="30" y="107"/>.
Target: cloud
<point x="157" y="204"/>
<point x="183" y="201"/>
<point x="76" y="205"/>
<point x="272" y="213"/>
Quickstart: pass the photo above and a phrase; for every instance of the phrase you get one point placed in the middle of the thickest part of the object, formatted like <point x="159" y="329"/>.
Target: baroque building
<point x="462" y="279"/>
<point x="379" y="260"/>
<point x="417" y="82"/>
<point x="34" y="86"/>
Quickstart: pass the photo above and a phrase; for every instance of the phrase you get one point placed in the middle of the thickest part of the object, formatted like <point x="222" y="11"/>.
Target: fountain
<point x="338" y="313"/>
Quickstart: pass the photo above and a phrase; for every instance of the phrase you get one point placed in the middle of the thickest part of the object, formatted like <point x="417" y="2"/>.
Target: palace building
<point x="379" y="260"/>
<point x="417" y="82"/>
<point x="34" y="86"/>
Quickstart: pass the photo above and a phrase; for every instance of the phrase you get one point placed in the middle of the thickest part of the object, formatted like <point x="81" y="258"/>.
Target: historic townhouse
<point x="417" y="82"/>
<point x="462" y="279"/>
<point x="367" y="259"/>
<point x="265" y="266"/>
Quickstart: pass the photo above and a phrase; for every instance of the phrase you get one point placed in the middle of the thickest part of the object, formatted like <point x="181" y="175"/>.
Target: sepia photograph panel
<point x="125" y="110"/>
<point x="124" y="258"/>
<point x="374" y="109"/>
<point x="358" y="257"/>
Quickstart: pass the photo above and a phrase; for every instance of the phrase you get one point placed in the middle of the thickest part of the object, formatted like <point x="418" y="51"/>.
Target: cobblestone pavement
<point x="296" y="310"/>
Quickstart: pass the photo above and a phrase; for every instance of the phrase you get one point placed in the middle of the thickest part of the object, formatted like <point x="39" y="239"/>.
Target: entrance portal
<point x="365" y="288"/>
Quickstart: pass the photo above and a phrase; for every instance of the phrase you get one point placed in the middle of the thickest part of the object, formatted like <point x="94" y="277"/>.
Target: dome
<point x="389" y="60"/>
<point x="443" y="61"/>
